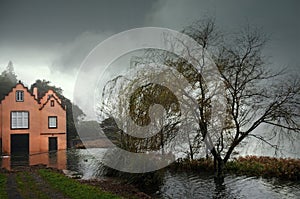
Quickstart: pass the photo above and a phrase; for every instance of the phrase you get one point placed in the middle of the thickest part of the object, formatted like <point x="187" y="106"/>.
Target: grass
<point x="284" y="168"/>
<point x="3" y="180"/>
<point x="287" y="169"/>
<point x="28" y="187"/>
<point x="72" y="188"/>
<point x="202" y="164"/>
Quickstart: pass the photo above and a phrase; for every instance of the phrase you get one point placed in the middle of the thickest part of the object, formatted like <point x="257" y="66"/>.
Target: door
<point x="19" y="144"/>
<point x="19" y="147"/>
<point x="53" y="144"/>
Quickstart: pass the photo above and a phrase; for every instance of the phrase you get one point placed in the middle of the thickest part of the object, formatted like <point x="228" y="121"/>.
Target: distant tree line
<point x="8" y="80"/>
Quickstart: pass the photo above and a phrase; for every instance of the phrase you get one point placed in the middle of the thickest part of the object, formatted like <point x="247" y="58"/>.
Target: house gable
<point x="20" y="86"/>
<point x="52" y="98"/>
<point x="50" y="92"/>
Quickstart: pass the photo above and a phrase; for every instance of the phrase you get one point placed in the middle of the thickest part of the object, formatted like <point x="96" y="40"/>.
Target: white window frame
<point x="20" y="96"/>
<point x="52" y="122"/>
<point x="19" y="120"/>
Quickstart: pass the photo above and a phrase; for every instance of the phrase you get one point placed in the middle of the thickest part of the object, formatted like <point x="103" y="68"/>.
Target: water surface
<point x="193" y="185"/>
<point x="175" y="184"/>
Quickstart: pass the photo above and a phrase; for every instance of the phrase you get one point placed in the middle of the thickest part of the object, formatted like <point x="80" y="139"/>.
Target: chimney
<point x="35" y="93"/>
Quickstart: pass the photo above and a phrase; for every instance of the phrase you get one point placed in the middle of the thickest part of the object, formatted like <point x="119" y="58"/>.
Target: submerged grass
<point x="287" y="169"/>
<point x="284" y="168"/>
<point x="72" y="188"/>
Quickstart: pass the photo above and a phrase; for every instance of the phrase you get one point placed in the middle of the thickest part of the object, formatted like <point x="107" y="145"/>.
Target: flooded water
<point x="175" y="185"/>
<point x="56" y="159"/>
<point x="192" y="185"/>
<point x="84" y="162"/>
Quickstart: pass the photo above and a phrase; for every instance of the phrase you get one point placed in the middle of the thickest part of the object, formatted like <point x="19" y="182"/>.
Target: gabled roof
<point x="37" y="100"/>
<point x="50" y="97"/>
<point x="23" y="87"/>
<point x="45" y="93"/>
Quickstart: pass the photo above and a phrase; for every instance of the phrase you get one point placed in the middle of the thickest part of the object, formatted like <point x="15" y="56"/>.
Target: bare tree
<point x="255" y="95"/>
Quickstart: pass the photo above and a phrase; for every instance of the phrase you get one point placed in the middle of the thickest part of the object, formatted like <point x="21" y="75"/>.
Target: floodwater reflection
<point x="55" y="159"/>
<point x="201" y="185"/>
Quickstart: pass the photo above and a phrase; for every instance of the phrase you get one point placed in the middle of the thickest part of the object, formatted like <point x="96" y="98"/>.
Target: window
<point x="19" y="96"/>
<point x="52" y="122"/>
<point x="19" y="120"/>
<point x="52" y="103"/>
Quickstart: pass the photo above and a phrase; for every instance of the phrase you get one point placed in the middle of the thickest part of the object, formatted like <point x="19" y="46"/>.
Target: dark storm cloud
<point x="72" y="28"/>
<point x="59" y="34"/>
<point x="61" y="21"/>
<point x="278" y="19"/>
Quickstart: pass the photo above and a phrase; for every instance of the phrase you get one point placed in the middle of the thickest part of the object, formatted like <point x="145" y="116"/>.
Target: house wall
<point x="29" y="104"/>
<point x="59" y="132"/>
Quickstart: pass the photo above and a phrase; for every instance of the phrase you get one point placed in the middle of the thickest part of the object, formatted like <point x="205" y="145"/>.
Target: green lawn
<point x="28" y="187"/>
<point x="3" y="180"/>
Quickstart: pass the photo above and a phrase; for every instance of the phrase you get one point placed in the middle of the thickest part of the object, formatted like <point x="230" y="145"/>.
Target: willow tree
<point x="129" y="107"/>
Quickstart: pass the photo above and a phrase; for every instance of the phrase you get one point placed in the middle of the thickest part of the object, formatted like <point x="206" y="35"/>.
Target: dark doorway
<point x="19" y="146"/>
<point x="52" y="151"/>
<point x="52" y="144"/>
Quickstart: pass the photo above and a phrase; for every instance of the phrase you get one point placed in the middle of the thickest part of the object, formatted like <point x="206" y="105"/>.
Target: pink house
<point x="32" y="125"/>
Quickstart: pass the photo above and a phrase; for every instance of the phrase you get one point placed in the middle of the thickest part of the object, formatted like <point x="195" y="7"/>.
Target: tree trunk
<point x="219" y="170"/>
<point x="162" y="144"/>
<point x="191" y="153"/>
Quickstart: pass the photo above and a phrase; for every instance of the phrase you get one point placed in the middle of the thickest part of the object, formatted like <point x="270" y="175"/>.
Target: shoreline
<point x="116" y="186"/>
<point x="260" y="166"/>
<point x="109" y="187"/>
<point x="267" y="167"/>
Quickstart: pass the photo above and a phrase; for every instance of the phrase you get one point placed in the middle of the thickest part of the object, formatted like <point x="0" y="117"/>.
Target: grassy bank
<point x="45" y="183"/>
<point x="72" y="188"/>
<point x="288" y="169"/>
<point x="3" y="180"/>
<point x="28" y="187"/>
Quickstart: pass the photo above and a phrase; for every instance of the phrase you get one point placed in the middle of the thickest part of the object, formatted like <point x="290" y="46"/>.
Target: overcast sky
<point x="50" y="39"/>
